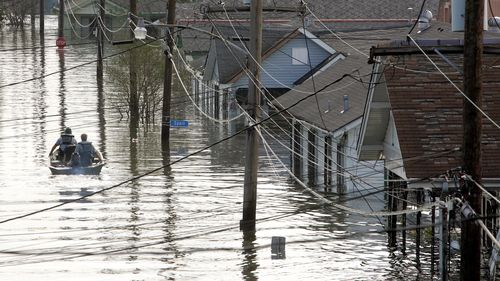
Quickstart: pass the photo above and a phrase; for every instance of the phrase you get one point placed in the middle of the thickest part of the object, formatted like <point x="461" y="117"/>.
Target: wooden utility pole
<point x="473" y="52"/>
<point x="100" y="39"/>
<point x="42" y="20"/>
<point x="252" y="143"/>
<point x="134" y="98"/>
<point x="167" y="80"/>
<point x="60" y="42"/>
<point x="32" y="14"/>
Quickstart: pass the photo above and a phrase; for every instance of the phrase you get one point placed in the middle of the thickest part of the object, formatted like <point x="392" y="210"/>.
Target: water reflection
<point x="102" y="117"/>
<point x="39" y="103"/>
<point x="71" y="195"/>
<point x="250" y="264"/>
<point x="169" y="225"/>
<point x="62" y="90"/>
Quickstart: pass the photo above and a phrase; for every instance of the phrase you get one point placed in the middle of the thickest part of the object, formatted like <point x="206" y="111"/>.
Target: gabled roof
<point x="268" y="49"/>
<point x="232" y="57"/>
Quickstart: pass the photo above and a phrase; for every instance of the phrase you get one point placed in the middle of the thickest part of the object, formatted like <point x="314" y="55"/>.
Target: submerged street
<point x="178" y="223"/>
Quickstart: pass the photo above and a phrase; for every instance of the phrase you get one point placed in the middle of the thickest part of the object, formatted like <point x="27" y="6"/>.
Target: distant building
<point x="286" y="59"/>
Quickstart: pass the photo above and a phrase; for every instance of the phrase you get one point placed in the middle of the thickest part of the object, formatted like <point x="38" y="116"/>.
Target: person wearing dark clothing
<point x="86" y="152"/>
<point x="66" y="143"/>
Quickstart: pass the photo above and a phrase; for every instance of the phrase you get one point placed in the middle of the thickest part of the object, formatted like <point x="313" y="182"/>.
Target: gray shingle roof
<point x="343" y="9"/>
<point x="330" y="100"/>
<point x="427" y="108"/>
<point x="428" y="115"/>
<point x="356" y="59"/>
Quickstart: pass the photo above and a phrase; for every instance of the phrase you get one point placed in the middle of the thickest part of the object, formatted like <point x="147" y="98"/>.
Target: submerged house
<point x="287" y="57"/>
<point x="326" y="126"/>
<point x="414" y="112"/>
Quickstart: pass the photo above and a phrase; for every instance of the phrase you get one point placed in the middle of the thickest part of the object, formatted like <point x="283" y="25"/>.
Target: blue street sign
<point x="179" y="123"/>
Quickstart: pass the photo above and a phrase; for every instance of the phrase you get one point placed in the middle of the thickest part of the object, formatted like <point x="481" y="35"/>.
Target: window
<point x="299" y="56"/>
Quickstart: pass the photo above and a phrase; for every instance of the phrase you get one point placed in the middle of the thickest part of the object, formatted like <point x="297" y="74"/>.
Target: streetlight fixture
<point x="140" y="31"/>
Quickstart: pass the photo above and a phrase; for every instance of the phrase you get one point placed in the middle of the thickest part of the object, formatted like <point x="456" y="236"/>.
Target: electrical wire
<point x="74" y="67"/>
<point x="169" y="164"/>
<point x="454" y="85"/>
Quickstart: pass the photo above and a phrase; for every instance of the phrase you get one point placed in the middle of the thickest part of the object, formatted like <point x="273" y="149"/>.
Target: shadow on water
<point x="250" y="264"/>
<point x="172" y="252"/>
<point x="40" y="104"/>
<point x="72" y="194"/>
<point x="62" y="90"/>
<point x="135" y="197"/>
<point x="102" y="117"/>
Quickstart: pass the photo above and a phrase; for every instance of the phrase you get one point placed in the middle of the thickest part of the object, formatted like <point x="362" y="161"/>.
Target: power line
<point x="454" y="85"/>
<point x="76" y="66"/>
<point x="171" y="163"/>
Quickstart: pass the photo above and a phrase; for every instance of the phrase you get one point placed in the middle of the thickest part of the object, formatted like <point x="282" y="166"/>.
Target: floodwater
<point x="179" y="223"/>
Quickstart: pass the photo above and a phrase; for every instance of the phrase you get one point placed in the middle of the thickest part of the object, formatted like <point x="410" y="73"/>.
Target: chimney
<point x="457" y="15"/>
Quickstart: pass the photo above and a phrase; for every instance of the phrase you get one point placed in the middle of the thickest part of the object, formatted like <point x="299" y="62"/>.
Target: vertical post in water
<point x="42" y="20"/>
<point x="134" y="98"/>
<point x="60" y="41"/>
<point x="419" y="230"/>
<point x="100" y="39"/>
<point x="252" y="143"/>
<point x="167" y="79"/>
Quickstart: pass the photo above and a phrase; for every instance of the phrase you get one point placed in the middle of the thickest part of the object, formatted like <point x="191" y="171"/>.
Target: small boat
<point x="63" y="166"/>
<point x="58" y="168"/>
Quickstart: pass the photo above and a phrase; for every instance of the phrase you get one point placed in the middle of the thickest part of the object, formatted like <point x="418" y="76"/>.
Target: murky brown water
<point x="178" y="224"/>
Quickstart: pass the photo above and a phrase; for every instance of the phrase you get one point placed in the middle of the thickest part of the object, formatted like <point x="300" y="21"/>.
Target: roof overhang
<point x="450" y="46"/>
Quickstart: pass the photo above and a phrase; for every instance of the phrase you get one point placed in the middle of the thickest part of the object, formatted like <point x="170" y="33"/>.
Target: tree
<point x="15" y="12"/>
<point x="150" y="70"/>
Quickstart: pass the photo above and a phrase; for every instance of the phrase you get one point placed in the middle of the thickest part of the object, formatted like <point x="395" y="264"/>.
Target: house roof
<point x="427" y="108"/>
<point x="355" y="46"/>
<point x="268" y="47"/>
<point x="428" y="115"/>
<point x="341" y="9"/>
<point x="327" y="111"/>
<point x="232" y="57"/>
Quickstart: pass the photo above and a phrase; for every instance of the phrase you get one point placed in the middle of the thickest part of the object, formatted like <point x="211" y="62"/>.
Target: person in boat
<point x="66" y="143"/>
<point x="85" y="153"/>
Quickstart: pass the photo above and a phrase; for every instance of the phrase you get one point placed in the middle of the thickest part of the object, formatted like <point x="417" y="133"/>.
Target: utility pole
<point x="252" y="143"/>
<point x="60" y="42"/>
<point x="134" y="99"/>
<point x="100" y="39"/>
<point x="167" y="80"/>
<point x="32" y="14"/>
<point x="42" y="18"/>
<point x="472" y="130"/>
